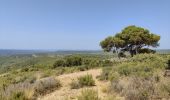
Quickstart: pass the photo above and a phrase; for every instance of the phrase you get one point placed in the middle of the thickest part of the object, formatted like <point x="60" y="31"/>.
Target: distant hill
<point x="163" y="51"/>
<point x="9" y="52"/>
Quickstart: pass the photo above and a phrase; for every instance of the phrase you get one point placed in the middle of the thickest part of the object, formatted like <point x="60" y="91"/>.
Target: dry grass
<point x="29" y="91"/>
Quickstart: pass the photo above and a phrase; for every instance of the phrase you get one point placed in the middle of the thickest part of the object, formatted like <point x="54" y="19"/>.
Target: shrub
<point x="75" y="84"/>
<point x="18" y="96"/>
<point x="59" y="63"/>
<point x="86" y="80"/>
<point x="165" y="88"/>
<point x="107" y="63"/>
<point x="88" y="94"/>
<point x="83" y="68"/>
<point x="121" y="54"/>
<point x="142" y="65"/>
<point x="146" y="50"/>
<point x="168" y="63"/>
<point x="136" y="88"/>
<point x="46" y="85"/>
<point x="137" y="95"/>
<point x="73" y="61"/>
<point x="17" y="92"/>
<point x="25" y="69"/>
<point x="105" y="73"/>
<point x="117" y="86"/>
<point x="90" y="63"/>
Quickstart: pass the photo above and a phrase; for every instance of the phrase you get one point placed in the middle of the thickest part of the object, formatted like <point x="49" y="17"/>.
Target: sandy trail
<point x="65" y="93"/>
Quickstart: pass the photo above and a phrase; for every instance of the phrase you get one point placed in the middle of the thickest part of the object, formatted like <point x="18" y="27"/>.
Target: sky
<point x="77" y="24"/>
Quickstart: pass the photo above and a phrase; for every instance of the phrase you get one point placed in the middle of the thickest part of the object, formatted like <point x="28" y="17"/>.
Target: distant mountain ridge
<point x="9" y="52"/>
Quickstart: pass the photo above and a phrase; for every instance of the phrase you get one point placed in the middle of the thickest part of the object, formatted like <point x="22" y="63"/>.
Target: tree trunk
<point x="131" y="53"/>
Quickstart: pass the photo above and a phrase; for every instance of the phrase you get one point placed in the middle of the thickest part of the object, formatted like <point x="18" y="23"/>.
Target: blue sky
<point x="77" y="24"/>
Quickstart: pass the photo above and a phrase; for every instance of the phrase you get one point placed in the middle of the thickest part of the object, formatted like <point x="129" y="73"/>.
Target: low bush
<point x="83" y="68"/>
<point x="105" y="73"/>
<point x="107" y="63"/>
<point x="142" y="65"/>
<point x="17" y="92"/>
<point x="73" y="61"/>
<point x="139" y="78"/>
<point x="46" y="85"/>
<point x="165" y="89"/>
<point x="18" y="96"/>
<point x="86" y="80"/>
<point x="89" y="94"/>
<point x="146" y="50"/>
<point x="75" y="84"/>
<point x="86" y="63"/>
<point x="59" y="63"/>
<point x="139" y="89"/>
<point x="168" y="65"/>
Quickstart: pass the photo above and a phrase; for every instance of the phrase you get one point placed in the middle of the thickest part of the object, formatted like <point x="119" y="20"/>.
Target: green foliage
<point x="73" y="61"/>
<point x="68" y="61"/>
<point x="86" y="80"/>
<point x="132" y="39"/>
<point x="139" y="78"/>
<point x="82" y="81"/>
<point x="165" y="87"/>
<point x="18" y="96"/>
<point x="59" y="63"/>
<point x="105" y="73"/>
<point x="83" y="63"/>
<point x="168" y="67"/>
<point x="121" y="54"/>
<point x="88" y="94"/>
<point x="146" y="50"/>
<point x="142" y="65"/>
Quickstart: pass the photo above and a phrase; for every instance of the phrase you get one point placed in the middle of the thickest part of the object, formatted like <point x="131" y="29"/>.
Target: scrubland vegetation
<point x="82" y="81"/>
<point x="88" y="94"/>
<point x="35" y="76"/>
<point x="140" y="78"/>
<point x="133" y="72"/>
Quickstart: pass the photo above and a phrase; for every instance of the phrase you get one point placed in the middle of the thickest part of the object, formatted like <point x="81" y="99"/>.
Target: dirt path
<point x="65" y="93"/>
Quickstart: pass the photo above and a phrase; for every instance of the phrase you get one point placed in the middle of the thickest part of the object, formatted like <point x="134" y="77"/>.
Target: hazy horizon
<point x="77" y="24"/>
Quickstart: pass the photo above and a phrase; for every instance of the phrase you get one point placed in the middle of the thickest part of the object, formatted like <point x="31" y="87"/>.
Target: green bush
<point x="168" y="63"/>
<point x="165" y="87"/>
<point x="89" y="94"/>
<point x="18" y="96"/>
<point x="142" y="65"/>
<point x="59" y="63"/>
<point x="25" y="69"/>
<point x="91" y="63"/>
<point x="107" y="63"/>
<point x="73" y="61"/>
<point x="146" y="50"/>
<point x="83" y="68"/>
<point x="68" y="61"/>
<point x="86" y="80"/>
<point x="121" y="54"/>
